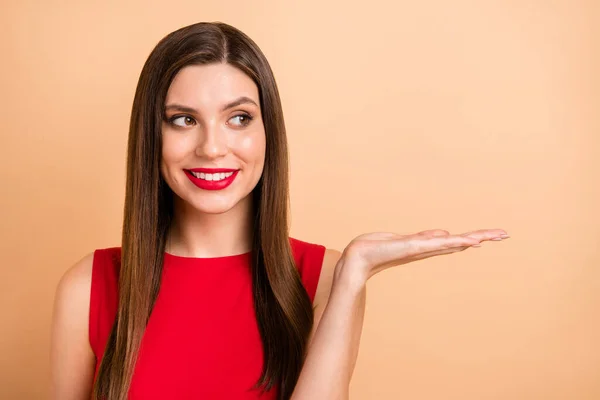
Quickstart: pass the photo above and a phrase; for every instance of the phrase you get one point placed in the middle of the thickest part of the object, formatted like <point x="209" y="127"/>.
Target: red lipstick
<point x="211" y="185"/>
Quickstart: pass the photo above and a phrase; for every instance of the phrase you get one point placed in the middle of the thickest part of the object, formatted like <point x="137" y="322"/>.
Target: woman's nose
<point x="212" y="142"/>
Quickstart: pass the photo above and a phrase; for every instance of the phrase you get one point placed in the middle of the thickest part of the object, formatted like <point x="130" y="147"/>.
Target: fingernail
<point x="497" y="238"/>
<point x="505" y="236"/>
<point x="476" y="245"/>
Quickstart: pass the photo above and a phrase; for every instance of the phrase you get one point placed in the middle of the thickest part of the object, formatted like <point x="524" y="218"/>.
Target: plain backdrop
<point x="402" y="116"/>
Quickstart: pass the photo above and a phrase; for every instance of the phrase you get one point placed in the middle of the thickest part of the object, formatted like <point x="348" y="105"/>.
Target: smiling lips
<point x="211" y="178"/>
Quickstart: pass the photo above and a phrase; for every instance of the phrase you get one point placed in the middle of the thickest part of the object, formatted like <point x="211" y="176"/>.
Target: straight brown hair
<point x="283" y="308"/>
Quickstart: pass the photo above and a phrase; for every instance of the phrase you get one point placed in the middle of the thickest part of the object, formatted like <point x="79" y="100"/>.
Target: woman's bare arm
<point x="334" y="343"/>
<point x="333" y="347"/>
<point x="72" y="360"/>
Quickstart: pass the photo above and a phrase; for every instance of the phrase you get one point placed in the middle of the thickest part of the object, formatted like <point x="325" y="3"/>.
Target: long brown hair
<point x="283" y="308"/>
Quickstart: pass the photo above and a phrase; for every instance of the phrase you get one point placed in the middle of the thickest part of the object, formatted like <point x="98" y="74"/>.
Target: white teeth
<point x="212" y="177"/>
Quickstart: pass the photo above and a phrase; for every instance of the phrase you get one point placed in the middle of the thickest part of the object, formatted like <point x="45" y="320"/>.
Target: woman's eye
<point x="241" y="120"/>
<point x="183" y="121"/>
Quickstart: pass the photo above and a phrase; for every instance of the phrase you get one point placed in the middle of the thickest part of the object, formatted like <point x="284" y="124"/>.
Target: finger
<point x="434" y="233"/>
<point x="487" y="234"/>
<point x="421" y="256"/>
<point x="425" y="245"/>
<point x="430" y="254"/>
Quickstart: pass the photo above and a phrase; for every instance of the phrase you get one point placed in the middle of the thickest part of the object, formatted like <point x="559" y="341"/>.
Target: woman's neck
<point x="197" y="234"/>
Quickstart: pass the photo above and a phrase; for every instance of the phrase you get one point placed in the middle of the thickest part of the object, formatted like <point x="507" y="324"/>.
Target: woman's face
<point x="213" y="137"/>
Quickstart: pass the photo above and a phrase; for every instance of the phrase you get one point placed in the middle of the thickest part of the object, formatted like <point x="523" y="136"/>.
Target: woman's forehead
<point x="211" y="86"/>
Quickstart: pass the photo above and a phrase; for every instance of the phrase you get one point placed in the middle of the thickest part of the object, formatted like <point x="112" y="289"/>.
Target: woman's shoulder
<point x="316" y="264"/>
<point x="307" y="253"/>
<point x="315" y="251"/>
<point x="108" y="255"/>
<point x="302" y="247"/>
<point x="71" y="309"/>
<point x="70" y="346"/>
<point x="77" y="279"/>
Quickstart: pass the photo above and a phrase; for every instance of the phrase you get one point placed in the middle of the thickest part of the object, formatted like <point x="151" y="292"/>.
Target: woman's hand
<point x="371" y="253"/>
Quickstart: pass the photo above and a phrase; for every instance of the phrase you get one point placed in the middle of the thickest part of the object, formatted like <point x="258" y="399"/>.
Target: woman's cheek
<point x="253" y="146"/>
<point x="175" y="150"/>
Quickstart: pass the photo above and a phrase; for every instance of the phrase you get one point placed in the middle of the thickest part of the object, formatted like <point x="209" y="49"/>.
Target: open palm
<point x="374" y="252"/>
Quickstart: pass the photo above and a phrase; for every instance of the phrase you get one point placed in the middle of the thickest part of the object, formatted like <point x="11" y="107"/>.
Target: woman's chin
<point x="212" y="203"/>
<point x="211" y="206"/>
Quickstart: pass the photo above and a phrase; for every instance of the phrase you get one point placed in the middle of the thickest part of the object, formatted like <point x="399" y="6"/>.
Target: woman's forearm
<point x="333" y="351"/>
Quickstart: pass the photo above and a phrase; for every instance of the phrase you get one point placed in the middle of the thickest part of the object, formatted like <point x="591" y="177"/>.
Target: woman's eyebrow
<point x="235" y="103"/>
<point x="179" y="107"/>
<point x="239" y="101"/>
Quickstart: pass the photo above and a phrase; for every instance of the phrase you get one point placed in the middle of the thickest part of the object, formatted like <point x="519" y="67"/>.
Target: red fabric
<point x="202" y="339"/>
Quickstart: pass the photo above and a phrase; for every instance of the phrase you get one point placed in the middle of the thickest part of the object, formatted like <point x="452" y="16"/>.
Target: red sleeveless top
<point x="202" y="339"/>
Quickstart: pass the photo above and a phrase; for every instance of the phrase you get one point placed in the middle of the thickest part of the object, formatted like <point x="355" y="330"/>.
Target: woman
<point x="208" y="296"/>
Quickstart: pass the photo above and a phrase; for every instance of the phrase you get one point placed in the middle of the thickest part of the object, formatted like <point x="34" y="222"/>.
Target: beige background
<point x="401" y="116"/>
